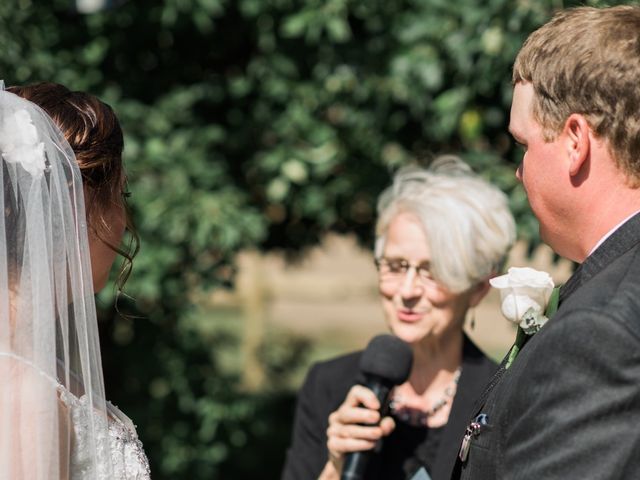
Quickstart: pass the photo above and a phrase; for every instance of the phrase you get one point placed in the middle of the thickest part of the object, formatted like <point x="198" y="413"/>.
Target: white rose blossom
<point x="19" y="142"/>
<point x="525" y="293"/>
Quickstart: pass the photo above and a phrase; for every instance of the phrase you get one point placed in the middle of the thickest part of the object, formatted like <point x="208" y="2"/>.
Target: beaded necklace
<point x="417" y="417"/>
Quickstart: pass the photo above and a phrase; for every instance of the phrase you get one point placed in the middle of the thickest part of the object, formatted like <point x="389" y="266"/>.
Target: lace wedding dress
<point x="120" y="456"/>
<point x="127" y="456"/>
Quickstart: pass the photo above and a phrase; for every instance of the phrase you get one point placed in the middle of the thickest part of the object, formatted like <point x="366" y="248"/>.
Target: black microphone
<point x="386" y="362"/>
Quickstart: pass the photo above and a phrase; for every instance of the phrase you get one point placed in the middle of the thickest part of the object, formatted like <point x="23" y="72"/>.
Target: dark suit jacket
<point x="569" y="406"/>
<point x="326" y="387"/>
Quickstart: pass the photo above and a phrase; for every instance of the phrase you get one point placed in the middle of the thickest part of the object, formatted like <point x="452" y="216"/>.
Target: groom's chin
<point x="552" y="239"/>
<point x="561" y="243"/>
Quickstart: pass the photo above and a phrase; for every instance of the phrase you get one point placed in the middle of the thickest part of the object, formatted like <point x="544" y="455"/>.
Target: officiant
<point x="441" y="233"/>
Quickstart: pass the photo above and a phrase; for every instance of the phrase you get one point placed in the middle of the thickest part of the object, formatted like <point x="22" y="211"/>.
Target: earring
<point x="473" y="319"/>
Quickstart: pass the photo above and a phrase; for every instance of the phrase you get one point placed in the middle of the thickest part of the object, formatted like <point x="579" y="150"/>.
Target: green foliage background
<point x="261" y="123"/>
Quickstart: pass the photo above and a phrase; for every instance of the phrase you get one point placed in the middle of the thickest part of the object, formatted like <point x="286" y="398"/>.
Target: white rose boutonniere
<point x="525" y="294"/>
<point x="19" y="142"/>
<point x="529" y="298"/>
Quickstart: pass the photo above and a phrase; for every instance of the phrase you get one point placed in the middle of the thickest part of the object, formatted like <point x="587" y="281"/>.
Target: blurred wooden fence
<point x="330" y="296"/>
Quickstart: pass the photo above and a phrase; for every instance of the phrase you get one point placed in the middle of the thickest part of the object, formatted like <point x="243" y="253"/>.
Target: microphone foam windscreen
<point x="387" y="357"/>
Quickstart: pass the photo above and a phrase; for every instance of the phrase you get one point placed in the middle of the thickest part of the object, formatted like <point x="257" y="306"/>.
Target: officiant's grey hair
<point x="466" y="220"/>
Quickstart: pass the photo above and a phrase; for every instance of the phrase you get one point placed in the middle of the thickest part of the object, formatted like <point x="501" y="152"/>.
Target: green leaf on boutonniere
<point x="552" y="306"/>
<point x="521" y="336"/>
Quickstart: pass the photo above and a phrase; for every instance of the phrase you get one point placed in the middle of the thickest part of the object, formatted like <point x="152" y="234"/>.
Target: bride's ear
<point x="478" y="292"/>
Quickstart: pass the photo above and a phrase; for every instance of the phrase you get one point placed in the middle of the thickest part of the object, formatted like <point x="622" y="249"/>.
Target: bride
<point x="60" y="152"/>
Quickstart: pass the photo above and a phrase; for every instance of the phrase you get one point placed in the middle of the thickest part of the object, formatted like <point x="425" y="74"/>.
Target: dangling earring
<point x="473" y="319"/>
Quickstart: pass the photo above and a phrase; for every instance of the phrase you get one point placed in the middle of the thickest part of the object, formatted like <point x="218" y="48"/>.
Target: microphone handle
<point x="355" y="463"/>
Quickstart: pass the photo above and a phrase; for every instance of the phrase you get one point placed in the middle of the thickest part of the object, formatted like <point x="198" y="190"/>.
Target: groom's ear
<point x="478" y="292"/>
<point x="577" y="141"/>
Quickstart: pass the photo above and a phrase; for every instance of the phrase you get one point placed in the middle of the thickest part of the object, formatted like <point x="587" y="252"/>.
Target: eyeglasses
<point x="394" y="270"/>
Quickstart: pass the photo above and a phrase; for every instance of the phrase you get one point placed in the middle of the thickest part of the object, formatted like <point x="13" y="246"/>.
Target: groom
<point x="569" y="405"/>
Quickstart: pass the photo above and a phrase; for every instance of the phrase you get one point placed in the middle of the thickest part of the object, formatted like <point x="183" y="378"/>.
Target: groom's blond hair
<point x="587" y="61"/>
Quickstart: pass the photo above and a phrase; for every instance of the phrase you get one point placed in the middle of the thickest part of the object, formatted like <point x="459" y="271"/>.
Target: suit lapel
<point x="472" y="381"/>
<point x="617" y="244"/>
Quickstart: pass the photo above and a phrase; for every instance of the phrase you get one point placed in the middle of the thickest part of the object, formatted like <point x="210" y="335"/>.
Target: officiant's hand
<point x="355" y="426"/>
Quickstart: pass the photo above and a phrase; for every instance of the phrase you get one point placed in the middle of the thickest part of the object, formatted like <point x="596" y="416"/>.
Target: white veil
<point x="49" y="348"/>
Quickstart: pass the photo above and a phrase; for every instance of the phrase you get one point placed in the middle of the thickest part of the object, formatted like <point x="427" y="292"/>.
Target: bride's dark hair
<point x="95" y="136"/>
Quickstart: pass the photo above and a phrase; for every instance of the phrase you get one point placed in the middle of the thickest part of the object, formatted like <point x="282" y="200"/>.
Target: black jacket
<point x="326" y="387"/>
<point x="569" y="406"/>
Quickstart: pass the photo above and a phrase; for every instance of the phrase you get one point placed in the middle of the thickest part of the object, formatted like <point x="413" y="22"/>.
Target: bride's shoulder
<point x="31" y="386"/>
<point x="28" y="383"/>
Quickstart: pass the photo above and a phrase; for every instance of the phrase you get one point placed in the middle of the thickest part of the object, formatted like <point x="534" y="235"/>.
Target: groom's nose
<point x="519" y="172"/>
